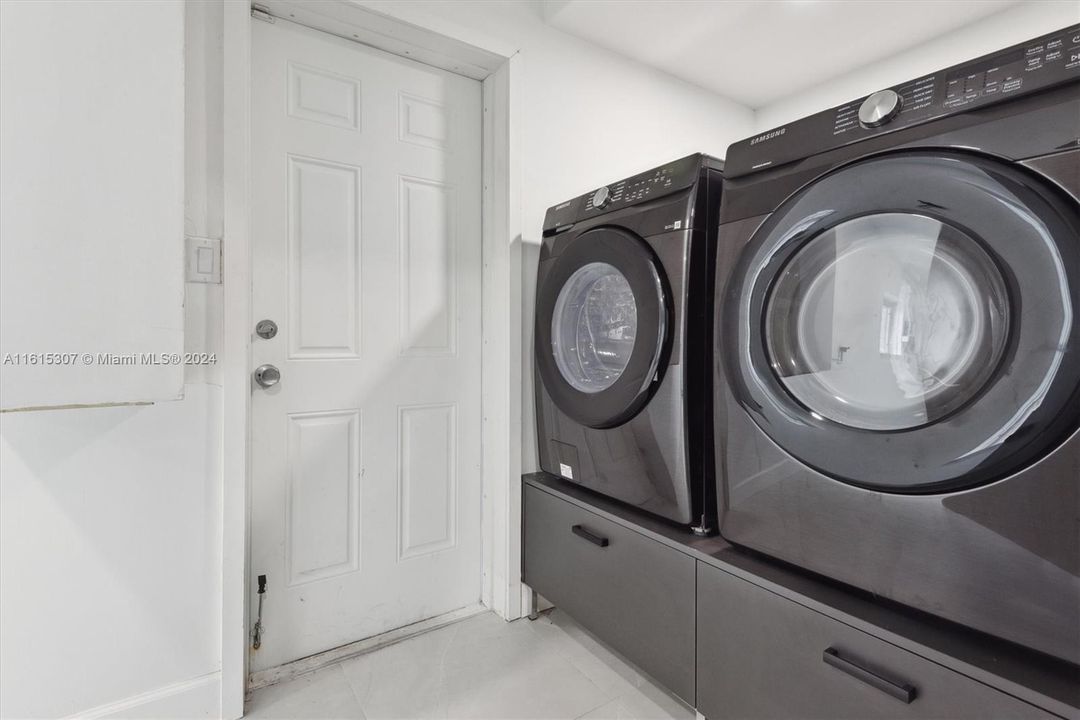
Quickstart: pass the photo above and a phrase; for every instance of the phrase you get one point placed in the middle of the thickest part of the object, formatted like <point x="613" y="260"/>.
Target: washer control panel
<point x="651" y="184"/>
<point x="1038" y="64"/>
<point x="639" y="187"/>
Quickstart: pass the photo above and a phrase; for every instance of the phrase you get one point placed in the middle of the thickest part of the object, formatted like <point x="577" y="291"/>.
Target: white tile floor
<point x="482" y="667"/>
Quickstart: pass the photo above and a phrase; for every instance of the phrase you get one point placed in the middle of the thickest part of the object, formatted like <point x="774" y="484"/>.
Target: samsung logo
<point x="768" y="136"/>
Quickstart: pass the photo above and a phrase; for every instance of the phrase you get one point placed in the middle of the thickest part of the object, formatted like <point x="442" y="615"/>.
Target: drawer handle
<point x="582" y="531"/>
<point x="899" y="690"/>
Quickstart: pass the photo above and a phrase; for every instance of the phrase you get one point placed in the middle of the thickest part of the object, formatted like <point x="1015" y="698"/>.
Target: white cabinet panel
<point x="91" y="186"/>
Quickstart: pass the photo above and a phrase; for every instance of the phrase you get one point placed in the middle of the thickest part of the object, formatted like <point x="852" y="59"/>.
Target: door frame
<point x="498" y="67"/>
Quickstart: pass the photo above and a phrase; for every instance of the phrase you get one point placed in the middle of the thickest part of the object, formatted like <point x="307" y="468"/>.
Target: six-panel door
<point x="366" y="234"/>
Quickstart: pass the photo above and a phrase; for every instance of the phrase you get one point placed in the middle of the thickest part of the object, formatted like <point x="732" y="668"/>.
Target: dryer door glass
<point x="593" y="327"/>
<point x="910" y="322"/>
<point x="602" y="326"/>
<point x="887" y="321"/>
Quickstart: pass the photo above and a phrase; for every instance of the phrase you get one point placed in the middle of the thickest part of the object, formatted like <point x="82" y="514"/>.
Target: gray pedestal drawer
<point x="633" y="593"/>
<point x="761" y="655"/>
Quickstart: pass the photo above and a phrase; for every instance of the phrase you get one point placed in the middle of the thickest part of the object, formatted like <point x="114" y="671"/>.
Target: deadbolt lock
<point x="266" y="329"/>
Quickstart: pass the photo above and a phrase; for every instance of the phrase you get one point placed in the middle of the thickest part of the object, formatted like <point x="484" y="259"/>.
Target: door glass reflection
<point x="594" y="327"/>
<point x="887" y="321"/>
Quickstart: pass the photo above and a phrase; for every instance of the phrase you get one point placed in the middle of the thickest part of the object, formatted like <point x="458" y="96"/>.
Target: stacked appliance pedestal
<point x="761" y="640"/>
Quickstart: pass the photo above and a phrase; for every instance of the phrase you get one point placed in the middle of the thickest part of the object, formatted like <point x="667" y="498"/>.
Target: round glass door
<point x="910" y="322"/>
<point x="887" y="321"/>
<point x="593" y="327"/>
<point x="602" y="326"/>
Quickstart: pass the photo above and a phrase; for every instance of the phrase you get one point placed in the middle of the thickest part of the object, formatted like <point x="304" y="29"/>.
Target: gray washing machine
<point x="898" y="393"/>
<point x="623" y="337"/>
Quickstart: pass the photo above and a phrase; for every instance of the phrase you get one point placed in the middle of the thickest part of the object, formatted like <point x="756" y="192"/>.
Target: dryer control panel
<point x="651" y="184"/>
<point x="1036" y="65"/>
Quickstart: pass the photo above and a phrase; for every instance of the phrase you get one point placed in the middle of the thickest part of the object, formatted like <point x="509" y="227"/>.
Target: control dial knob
<point x="879" y="108"/>
<point x="601" y="197"/>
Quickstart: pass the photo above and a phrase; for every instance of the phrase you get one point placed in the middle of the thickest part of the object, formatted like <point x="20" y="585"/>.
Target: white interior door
<point x="366" y="504"/>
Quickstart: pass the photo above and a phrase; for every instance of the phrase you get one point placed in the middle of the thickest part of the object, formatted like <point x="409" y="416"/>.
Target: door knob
<point x="267" y="376"/>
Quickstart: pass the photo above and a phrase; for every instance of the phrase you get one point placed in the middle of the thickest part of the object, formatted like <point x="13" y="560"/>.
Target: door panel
<point x="366" y="240"/>
<point x="427" y="268"/>
<point x="428" y="479"/>
<point x="324" y="259"/>
<point x="322" y="520"/>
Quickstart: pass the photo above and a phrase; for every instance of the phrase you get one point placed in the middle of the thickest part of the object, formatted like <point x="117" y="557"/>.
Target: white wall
<point x="91" y="134"/>
<point x="589" y="117"/>
<point x="110" y="519"/>
<point x="1012" y="26"/>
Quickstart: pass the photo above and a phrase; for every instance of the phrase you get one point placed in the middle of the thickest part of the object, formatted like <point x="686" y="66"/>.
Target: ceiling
<point x="756" y="52"/>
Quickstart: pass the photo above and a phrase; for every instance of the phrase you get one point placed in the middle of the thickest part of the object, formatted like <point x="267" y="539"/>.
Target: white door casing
<point x="366" y="251"/>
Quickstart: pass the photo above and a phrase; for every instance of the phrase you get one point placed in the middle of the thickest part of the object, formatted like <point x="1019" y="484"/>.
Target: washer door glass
<point x="593" y="327"/>
<point x="887" y="322"/>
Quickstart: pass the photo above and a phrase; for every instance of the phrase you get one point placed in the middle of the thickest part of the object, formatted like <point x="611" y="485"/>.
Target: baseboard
<point x="288" y="671"/>
<point x="195" y="698"/>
